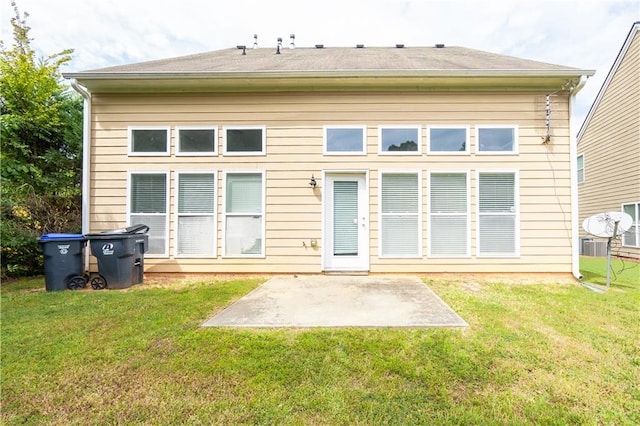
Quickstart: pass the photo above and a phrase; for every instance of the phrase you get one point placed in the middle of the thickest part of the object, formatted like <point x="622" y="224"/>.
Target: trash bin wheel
<point x="98" y="283"/>
<point x="77" y="282"/>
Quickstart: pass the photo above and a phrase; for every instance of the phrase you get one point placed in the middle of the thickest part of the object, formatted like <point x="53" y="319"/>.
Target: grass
<point x="547" y="353"/>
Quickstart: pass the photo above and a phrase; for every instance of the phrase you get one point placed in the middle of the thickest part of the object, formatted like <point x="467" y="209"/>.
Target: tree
<point x="41" y="148"/>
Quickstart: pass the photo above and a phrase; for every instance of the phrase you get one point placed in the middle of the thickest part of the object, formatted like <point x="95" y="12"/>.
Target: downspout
<point x="86" y="160"/>
<point x="573" y="153"/>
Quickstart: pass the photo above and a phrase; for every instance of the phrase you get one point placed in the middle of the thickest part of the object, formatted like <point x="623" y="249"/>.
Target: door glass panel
<point x="345" y="218"/>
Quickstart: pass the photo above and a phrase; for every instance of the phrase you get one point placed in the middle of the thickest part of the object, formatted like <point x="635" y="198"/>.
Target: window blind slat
<point x="400" y="206"/>
<point x="196" y="193"/>
<point x="244" y="193"/>
<point x="345" y="210"/>
<point x="449" y="199"/>
<point x="497" y="214"/>
<point x="148" y="193"/>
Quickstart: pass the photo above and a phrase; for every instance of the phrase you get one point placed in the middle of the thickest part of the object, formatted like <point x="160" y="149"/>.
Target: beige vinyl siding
<point x="611" y="145"/>
<point x="294" y="131"/>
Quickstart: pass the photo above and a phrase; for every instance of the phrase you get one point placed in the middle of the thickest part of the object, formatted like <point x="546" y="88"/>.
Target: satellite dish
<point x="604" y="224"/>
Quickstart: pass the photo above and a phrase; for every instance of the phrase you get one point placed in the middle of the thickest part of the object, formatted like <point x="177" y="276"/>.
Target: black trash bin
<point x="63" y="261"/>
<point x="120" y="255"/>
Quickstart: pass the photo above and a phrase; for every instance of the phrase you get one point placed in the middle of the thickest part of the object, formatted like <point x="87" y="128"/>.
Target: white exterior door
<point x="346" y="226"/>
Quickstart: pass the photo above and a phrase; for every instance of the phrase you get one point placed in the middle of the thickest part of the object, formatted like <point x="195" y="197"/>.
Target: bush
<point x="21" y="255"/>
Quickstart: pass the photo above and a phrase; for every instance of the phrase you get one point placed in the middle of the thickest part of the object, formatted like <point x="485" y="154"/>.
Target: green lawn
<point x="543" y="353"/>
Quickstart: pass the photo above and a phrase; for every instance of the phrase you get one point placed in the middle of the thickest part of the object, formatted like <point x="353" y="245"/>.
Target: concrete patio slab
<point x="339" y="301"/>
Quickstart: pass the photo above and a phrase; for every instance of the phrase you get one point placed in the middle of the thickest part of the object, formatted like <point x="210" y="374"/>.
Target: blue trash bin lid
<point x="54" y="237"/>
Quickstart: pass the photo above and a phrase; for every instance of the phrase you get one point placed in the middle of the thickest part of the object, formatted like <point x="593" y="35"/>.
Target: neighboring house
<point x="310" y="160"/>
<point x="609" y="147"/>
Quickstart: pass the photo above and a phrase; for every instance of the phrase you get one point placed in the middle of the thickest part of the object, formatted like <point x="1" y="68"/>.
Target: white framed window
<point x="449" y="218"/>
<point x="244" y="140"/>
<point x="148" y="140"/>
<point x="631" y="238"/>
<point x="345" y="140"/>
<point x="243" y="223"/>
<point x="580" y="168"/>
<point x="148" y="204"/>
<point x="448" y="140"/>
<point x="498" y="230"/>
<point x="196" y="214"/>
<point x="196" y="140"/>
<point x="496" y="139"/>
<point x="400" y="214"/>
<point x="399" y="140"/>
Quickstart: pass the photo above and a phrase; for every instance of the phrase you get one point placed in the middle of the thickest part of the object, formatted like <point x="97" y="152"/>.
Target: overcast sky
<point x="585" y="34"/>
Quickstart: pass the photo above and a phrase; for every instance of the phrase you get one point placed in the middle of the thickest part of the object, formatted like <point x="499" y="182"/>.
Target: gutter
<point x="473" y="72"/>
<point x="86" y="160"/>
<point x="573" y="153"/>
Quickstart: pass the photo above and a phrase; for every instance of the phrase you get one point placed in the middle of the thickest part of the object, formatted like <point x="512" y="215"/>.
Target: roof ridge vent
<point x="319" y="46"/>
<point x="399" y="46"/>
<point x="439" y="46"/>
<point x="359" y="46"/>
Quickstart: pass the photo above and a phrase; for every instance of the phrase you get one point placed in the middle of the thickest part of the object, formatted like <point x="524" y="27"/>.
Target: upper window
<point x="341" y="140"/>
<point x="631" y="238"/>
<point x="448" y="140"/>
<point x="400" y="215"/>
<point x="497" y="139"/>
<point x="148" y="140"/>
<point x="449" y="225"/>
<point x="399" y="139"/>
<point x="580" y="168"/>
<point x="497" y="214"/>
<point x="196" y="220"/>
<point x="149" y="205"/>
<point x="196" y="140"/>
<point x="244" y="214"/>
<point x="245" y="140"/>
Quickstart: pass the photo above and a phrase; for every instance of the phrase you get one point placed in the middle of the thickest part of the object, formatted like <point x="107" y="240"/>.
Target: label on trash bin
<point x="64" y="248"/>
<point x="107" y="249"/>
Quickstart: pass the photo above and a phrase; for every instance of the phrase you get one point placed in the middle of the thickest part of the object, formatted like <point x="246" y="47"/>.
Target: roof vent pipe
<point x="243" y="47"/>
<point x="292" y="45"/>
<point x="279" y="45"/>
<point x="255" y="41"/>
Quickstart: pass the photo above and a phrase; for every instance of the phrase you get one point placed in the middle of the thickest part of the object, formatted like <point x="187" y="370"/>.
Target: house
<point x="336" y="159"/>
<point x="609" y="148"/>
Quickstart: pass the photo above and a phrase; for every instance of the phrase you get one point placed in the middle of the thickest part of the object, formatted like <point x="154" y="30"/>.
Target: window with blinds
<point x="631" y="238"/>
<point x="449" y="234"/>
<point x="244" y="215"/>
<point x="196" y="227"/>
<point x="497" y="214"/>
<point x="148" y="199"/>
<point x="400" y="230"/>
